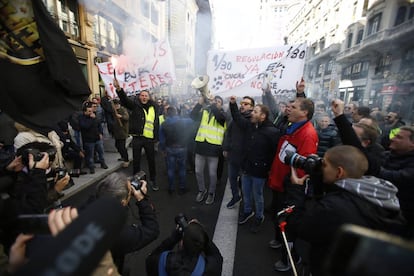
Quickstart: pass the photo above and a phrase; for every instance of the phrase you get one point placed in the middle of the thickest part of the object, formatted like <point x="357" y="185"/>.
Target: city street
<point x="244" y="253"/>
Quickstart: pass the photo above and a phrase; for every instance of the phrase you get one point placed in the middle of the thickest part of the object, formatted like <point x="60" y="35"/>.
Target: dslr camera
<point x="310" y="164"/>
<point x="181" y="221"/>
<point x="136" y="179"/>
<point x="61" y="172"/>
<point x="37" y="149"/>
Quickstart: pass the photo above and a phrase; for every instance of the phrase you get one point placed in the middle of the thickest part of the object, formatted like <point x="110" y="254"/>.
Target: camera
<point x="181" y="221"/>
<point x="33" y="224"/>
<point x="310" y="164"/>
<point x="37" y="149"/>
<point x="61" y="172"/>
<point x="136" y="179"/>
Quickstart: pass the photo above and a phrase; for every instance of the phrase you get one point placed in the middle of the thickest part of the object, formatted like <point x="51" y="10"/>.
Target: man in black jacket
<point x="262" y="139"/>
<point x="398" y="167"/>
<point x="144" y="128"/>
<point x="234" y="149"/>
<point x="351" y="198"/>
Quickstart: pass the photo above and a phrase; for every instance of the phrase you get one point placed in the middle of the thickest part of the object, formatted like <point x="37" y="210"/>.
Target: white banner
<point x="154" y="70"/>
<point x="245" y="72"/>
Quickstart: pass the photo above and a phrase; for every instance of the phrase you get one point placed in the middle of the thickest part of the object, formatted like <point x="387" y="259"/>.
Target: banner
<point x="154" y="70"/>
<point x="245" y="72"/>
<point x="42" y="81"/>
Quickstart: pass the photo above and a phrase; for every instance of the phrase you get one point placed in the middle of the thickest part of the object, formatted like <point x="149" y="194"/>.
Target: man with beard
<point x="233" y="149"/>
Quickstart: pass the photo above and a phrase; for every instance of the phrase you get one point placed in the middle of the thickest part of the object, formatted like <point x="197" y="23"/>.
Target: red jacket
<point x="303" y="141"/>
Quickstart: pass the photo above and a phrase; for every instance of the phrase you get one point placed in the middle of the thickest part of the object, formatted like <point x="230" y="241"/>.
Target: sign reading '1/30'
<point x="280" y="66"/>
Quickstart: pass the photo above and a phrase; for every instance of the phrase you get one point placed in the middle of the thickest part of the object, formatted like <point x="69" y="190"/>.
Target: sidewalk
<point x="111" y="159"/>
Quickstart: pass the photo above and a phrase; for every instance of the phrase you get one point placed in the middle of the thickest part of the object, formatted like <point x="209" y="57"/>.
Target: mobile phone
<point x="33" y="224"/>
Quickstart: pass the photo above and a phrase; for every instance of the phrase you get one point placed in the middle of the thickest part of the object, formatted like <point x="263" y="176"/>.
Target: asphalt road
<point x="249" y="254"/>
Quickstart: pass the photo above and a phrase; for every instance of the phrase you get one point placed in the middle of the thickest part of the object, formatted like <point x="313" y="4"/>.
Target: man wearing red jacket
<point x="300" y="137"/>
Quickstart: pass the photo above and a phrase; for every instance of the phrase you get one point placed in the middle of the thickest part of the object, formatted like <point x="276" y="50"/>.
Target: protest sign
<point x="245" y="72"/>
<point x="154" y="70"/>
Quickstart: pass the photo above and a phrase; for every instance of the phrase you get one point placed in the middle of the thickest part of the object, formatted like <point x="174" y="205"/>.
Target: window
<point x="145" y="8"/>
<point x="360" y="35"/>
<point x="400" y="15"/>
<point x="349" y="40"/>
<point x="374" y="24"/>
<point x="411" y="12"/>
<point x="329" y="67"/>
<point x="66" y="15"/>
<point x="356" y="68"/>
<point x="154" y="15"/>
<point x="106" y="34"/>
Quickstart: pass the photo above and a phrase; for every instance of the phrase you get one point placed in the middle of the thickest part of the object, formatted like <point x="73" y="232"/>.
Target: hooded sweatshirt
<point x="368" y="202"/>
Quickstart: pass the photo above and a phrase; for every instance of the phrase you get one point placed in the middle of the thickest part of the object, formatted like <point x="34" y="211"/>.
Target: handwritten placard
<point x="245" y="72"/>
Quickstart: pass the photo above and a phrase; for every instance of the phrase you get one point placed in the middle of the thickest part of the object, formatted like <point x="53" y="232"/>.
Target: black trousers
<point x="139" y="142"/>
<point x="120" y="146"/>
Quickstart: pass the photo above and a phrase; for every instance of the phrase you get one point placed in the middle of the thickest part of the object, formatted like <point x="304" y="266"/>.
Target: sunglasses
<point x="245" y="103"/>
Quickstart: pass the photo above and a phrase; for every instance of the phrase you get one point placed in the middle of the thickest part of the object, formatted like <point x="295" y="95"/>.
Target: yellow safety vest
<point x="210" y="131"/>
<point x="394" y="132"/>
<point x="161" y="119"/>
<point x="149" y="123"/>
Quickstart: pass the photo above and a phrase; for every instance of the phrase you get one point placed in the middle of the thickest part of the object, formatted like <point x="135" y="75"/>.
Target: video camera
<point x="310" y="164"/>
<point x="136" y="179"/>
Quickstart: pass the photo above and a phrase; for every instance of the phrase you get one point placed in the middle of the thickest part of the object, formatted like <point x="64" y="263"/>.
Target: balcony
<point x="329" y="52"/>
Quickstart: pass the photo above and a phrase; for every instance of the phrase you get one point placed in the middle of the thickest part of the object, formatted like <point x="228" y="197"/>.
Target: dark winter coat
<point x="91" y="129"/>
<point x="137" y="116"/>
<point x="399" y="169"/>
<point x="349" y="137"/>
<point x="319" y="223"/>
<point x="328" y="137"/>
<point x="261" y="143"/>
<point x="235" y="141"/>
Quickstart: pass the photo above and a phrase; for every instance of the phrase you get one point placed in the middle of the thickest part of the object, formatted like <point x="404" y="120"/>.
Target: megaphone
<point x="201" y="84"/>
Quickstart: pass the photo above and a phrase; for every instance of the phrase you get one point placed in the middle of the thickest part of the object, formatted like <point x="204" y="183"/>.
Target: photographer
<point x="196" y="253"/>
<point x="351" y="197"/>
<point x="141" y="226"/>
<point x="37" y="185"/>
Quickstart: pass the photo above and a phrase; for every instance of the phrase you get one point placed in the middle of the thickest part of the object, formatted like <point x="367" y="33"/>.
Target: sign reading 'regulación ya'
<point x="154" y="70"/>
<point x="245" y="72"/>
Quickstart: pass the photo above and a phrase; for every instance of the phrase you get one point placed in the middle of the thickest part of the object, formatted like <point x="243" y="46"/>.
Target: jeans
<point x="253" y="189"/>
<point x="138" y="143"/>
<point x="90" y="150"/>
<point x="234" y="171"/>
<point x="200" y="163"/>
<point x="176" y="157"/>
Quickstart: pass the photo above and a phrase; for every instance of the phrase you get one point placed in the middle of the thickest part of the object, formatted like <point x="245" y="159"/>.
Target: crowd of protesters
<point x="356" y="145"/>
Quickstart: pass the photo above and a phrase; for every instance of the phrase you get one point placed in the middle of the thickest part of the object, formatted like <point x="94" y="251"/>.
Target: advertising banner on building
<point x="245" y="72"/>
<point x="152" y="71"/>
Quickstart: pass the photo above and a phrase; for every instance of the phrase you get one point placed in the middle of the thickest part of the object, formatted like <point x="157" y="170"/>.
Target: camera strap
<point x="198" y="269"/>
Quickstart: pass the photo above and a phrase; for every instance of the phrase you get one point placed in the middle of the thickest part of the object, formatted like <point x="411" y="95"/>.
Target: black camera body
<point x="310" y="164"/>
<point x="181" y="221"/>
<point x="136" y="179"/>
<point x="37" y="149"/>
<point x="61" y="172"/>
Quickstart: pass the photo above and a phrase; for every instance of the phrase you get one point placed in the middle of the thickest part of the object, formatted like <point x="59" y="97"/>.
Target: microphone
<point x="79" y="248"/>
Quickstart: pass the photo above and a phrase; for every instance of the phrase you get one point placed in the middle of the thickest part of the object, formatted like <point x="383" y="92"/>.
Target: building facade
<point x="360" y="51"/>
<point x="97" y="30"/>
